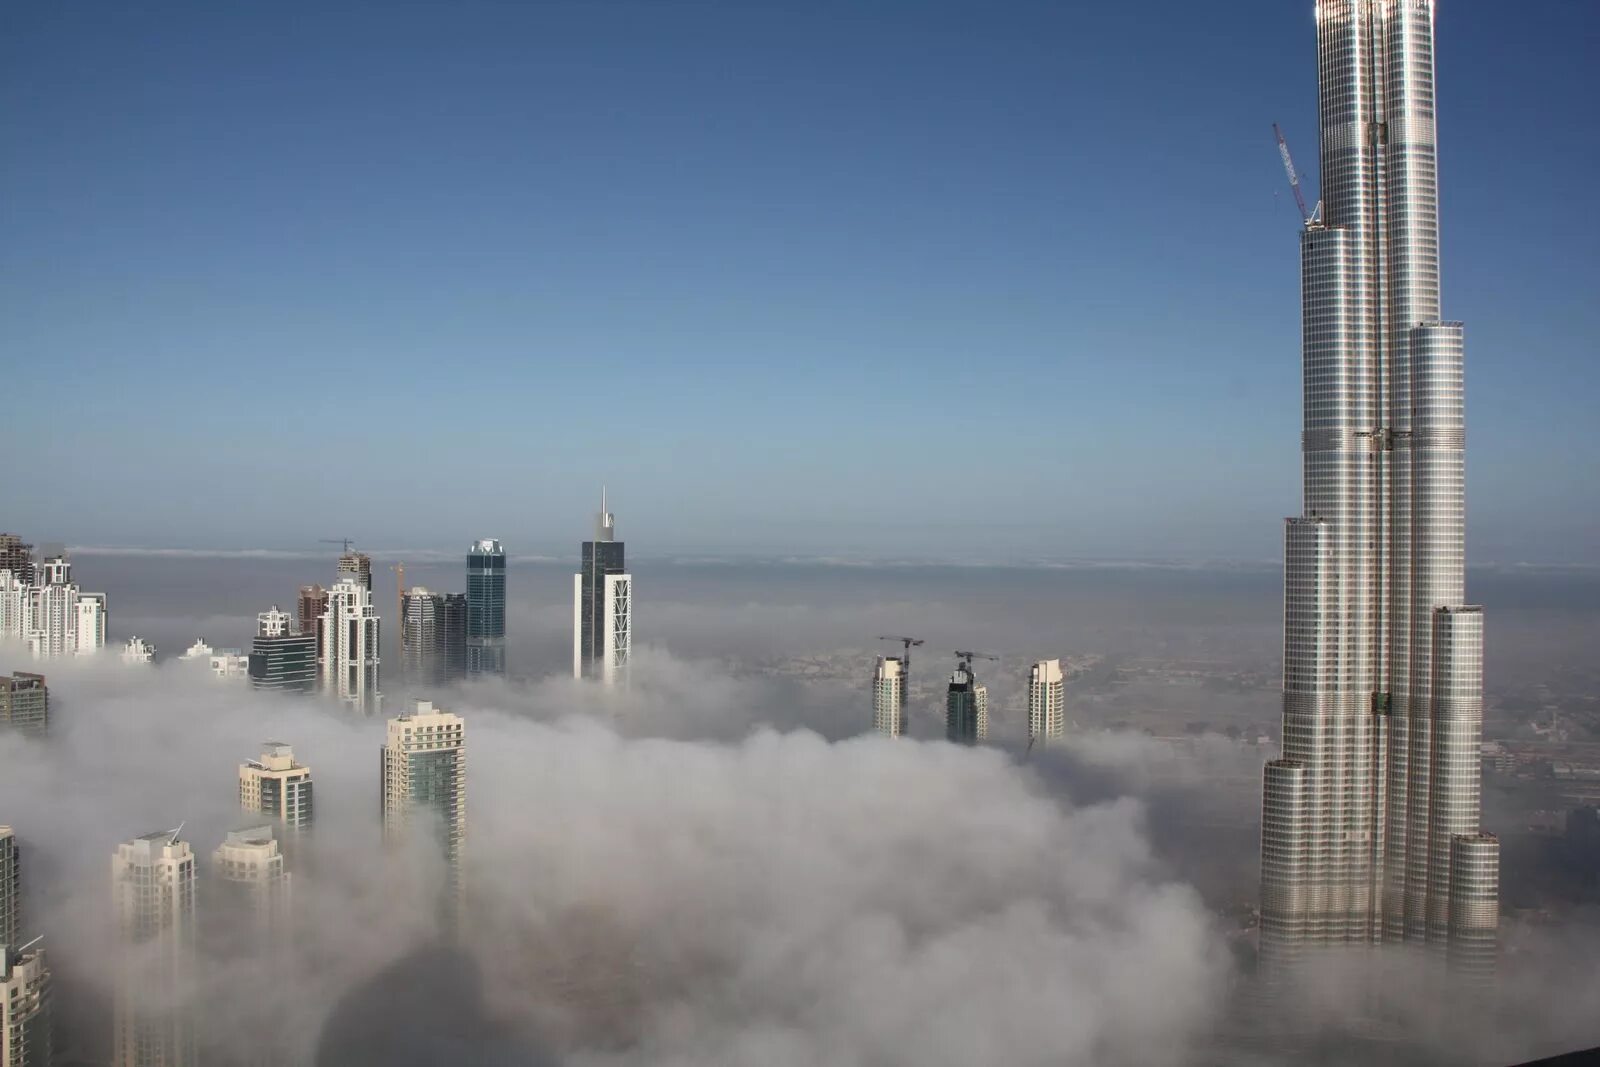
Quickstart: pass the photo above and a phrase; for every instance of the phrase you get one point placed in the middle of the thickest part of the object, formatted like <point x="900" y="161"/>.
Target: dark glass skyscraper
<point x="1370" y="820"/>
<point x="602" y="606"/>
<point x="486" y="608"/>
<point x="966" y="708"/>
<point x="281" y="658"/>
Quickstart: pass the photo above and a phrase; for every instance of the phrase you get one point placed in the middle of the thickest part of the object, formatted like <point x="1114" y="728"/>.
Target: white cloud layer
<point x="713" y="896"/>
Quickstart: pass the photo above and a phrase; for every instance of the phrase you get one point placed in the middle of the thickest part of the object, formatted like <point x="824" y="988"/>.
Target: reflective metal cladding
<point x="1370" y="820"/>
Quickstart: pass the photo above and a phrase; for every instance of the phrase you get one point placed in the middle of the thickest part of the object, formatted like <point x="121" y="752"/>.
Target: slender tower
<point x="889" y="696"/>
<point x="10" y="889"/>
<point x="602" y="606"/>
<point x="424" y="784"/>
<point x="486" y="608"/>
<point x="1047" y="702"/>
<point x="349" y="652"/>
<point x="1370" y="820"/>
<point x="153" y="886"/>
<point x="966" y="707"/>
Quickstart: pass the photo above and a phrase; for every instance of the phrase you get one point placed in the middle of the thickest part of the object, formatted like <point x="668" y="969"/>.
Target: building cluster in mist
<point x="43" y="607"/>
<point x="332" y="642"/>
<point x="166" y="908"/>
<point x="966" y="713"/>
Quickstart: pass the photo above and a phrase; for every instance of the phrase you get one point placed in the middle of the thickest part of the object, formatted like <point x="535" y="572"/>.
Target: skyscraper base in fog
<point x="1370" y="820"/>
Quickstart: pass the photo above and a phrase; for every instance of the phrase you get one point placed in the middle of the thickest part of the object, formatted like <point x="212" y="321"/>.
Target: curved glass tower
<point x="1370" y="820"/>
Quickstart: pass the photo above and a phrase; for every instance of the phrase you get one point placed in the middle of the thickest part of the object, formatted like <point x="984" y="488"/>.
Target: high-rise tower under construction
<point x="1370" y="820"/>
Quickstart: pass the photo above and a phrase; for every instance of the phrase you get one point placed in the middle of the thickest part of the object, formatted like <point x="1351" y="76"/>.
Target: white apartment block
<point x="153" y="891"/>
<point x="349" y="652"/>
<point x="276" y="786"/>
<point x="424" y="778"/>
<point x="25" y="1035"/>
<point x="250" y="874"/>
<point x="16" y="618"/>
<point x="1047" y="704"/>
<point x="889" y="696"/>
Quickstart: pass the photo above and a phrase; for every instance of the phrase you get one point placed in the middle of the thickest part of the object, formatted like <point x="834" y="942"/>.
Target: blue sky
<point x="925" y="278"/>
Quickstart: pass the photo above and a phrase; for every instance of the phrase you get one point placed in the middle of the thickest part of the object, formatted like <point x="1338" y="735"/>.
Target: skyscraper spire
<point x="605" y="523"/>
<point x="1370" y="820"/>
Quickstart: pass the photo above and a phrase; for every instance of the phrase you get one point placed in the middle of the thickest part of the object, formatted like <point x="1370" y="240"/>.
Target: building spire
<point x="605" y="526"/>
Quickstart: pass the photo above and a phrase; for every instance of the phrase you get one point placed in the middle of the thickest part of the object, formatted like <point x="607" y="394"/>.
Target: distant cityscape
<point x="1370" y="757"/>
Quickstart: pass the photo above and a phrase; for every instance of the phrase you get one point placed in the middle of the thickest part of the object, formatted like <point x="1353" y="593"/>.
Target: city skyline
<point x="999" y="326"/>
<point x="587" y="243"/>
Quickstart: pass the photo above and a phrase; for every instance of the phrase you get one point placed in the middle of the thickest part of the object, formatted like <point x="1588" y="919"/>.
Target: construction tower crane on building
<point x="966" y="658"/>
<point x="1308" y="217"/>
<point x="910" y="643"/>
<point x="345" y="541"/>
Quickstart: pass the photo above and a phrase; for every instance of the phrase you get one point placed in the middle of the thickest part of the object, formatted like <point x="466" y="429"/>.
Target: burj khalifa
<point x="1370" y="821"/>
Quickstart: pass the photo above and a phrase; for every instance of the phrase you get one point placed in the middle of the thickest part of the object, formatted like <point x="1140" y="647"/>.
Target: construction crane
<point x="345" y="541"/>
<point x="966" y="658"/>
<point x="1308" y="217"/>
<point x="909" y="642"/>
<point x="905" y="668"/>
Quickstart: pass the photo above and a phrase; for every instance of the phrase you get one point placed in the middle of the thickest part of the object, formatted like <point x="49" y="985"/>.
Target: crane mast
<point x="1306" y="215"/>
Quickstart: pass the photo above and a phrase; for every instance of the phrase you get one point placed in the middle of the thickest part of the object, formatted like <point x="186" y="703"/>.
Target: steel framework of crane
<point x="1306" y="216"/>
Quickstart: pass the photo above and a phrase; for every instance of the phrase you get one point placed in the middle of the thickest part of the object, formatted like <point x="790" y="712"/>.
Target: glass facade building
<point x="602" y="606"/>
<point x="286" y="661"/>
<point x="486" y="608"/>
<point x="25" y="704"/>
<point x="1370" y="820"/>
<point x="966" y="708"/>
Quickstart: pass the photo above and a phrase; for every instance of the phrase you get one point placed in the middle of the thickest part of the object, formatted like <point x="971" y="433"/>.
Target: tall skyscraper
<point x="311" y="605"/>
<point x="277" y="787"/>
<point x="1370" y="820"/>
<point x="602" y="606"/>
<point x="425" y="782"/>
<point x="433" y="637"/>
<point x="137" y="650"/>
<point x="357" y="565"/>
<point x="889" y="696"/>
<point x="25" y="704"/>
<point x="350" y="646"/>
<point x="153" y="889"/>
<point x="10" y="888"/>
<point x="281" y="658"/>
<point x="966" y="708"/>
<point x="16" y="556"/>
<point x="25" y="1036"/>
<point x="486" y="608"/>
<point x="1047" y="702"/>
